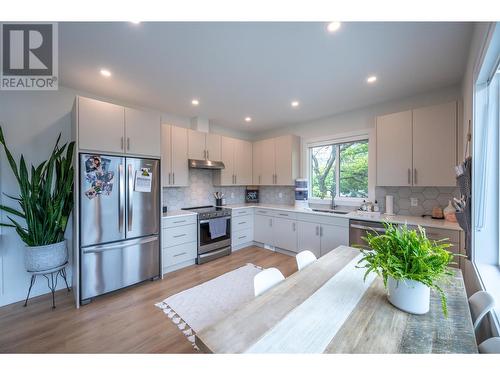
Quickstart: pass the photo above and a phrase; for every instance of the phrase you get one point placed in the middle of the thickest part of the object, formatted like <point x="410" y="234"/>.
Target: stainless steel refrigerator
<point x="119" y="222"/>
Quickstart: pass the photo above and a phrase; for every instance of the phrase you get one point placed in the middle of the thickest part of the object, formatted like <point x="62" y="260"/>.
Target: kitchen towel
<point x="217" y="227"/>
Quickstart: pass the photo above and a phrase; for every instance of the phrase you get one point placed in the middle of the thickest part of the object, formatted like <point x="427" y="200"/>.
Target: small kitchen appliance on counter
<point x="214" y="232"/>
<point x="301" y="193"/>
<point x="252" y="195"/>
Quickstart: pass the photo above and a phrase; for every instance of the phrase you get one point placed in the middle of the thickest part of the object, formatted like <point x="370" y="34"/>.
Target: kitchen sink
<point x="330" y="211"/>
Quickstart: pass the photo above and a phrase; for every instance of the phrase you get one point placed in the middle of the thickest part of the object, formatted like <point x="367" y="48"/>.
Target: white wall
<point x="31" y="122"/>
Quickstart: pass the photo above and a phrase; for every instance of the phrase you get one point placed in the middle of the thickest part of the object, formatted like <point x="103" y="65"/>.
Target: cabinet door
<point x="257" y="162"/>
<point x="285" y="234"/>
<point x="283" y="160"/>
<point x="166" y="154"/>
<point x="268" y="166"/>
<point x="242" y="162"/>
<point x="196" y="145"/>
<point x="263" y="229"/>
<point x="308" y="237"/>
<point x="180" y="170"/>
<point x="227" y="153"/>
<point x="101" y="126"/>
<point x="435" y="145"/>
<point x="142" y="132"/>
<point x="213" y="147"/>
<point x="333" y="236"/>
<point x="394" y="149"/>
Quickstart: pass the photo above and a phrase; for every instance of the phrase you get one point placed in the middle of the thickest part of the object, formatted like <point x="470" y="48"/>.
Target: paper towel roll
<point x="389" y="205"/>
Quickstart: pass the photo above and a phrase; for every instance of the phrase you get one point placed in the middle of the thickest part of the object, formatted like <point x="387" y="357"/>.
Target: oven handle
<point x="379" y="230"/>
<point x="206" y="221"/>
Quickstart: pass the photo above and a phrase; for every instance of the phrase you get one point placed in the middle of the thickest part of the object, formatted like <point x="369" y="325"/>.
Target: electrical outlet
<point x="232" y="195"/>
<point x="280" y="195"/>
<point x="414" y="202"/>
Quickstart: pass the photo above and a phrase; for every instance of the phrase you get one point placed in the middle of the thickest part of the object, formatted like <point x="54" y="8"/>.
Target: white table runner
<point x="311" y="326"/>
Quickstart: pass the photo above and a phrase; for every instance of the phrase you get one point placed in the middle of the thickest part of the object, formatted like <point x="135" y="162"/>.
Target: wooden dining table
<point x="327" y="307"/>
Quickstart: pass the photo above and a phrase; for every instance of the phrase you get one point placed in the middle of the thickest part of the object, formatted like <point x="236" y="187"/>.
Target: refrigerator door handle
<point x="130" y="192"/>
<point x="118" y="245"/>
<point x="121" y="197"/>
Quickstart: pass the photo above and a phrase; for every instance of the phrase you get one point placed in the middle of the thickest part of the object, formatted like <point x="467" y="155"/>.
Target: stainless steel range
<point x="214" y="232"/>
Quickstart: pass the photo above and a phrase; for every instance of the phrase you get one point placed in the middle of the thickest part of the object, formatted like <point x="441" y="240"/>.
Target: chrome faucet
<point x="333" y="206"/>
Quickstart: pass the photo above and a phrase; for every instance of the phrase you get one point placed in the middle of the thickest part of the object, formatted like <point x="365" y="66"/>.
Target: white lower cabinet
<point x="179" y="242"/>
<point x="285" y="233"/>
<point x="308" y="237"/>
<point x="242" y="228"/>
<point x="333" y="236"/>
<point x="263" y="229"/>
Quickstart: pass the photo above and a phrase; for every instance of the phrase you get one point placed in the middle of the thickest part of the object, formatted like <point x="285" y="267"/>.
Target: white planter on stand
<point x="43" y="258"/>
<point x="409" y="295"/>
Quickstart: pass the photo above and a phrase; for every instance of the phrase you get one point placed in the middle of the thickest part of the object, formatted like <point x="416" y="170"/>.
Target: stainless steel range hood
<point x="206" y="164"/>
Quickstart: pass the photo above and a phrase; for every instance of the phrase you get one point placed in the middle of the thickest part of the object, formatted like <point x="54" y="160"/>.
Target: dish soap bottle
<point x="449" y="213"/>
<point x="376" y="207"/>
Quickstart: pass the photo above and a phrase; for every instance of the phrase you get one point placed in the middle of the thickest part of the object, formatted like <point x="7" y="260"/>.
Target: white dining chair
<point x="266" y="279"/>
<point x="490" y="346"/>
<point x="305" y="258"/>
<point x="480" y="304"/>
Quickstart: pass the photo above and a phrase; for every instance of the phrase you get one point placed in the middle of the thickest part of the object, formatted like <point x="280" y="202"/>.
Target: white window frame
<point x="360" y="135"/>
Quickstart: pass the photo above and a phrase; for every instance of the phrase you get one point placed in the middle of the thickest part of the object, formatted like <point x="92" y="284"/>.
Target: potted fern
<point x="45" y="203"/>
<point x="410" y="265"/>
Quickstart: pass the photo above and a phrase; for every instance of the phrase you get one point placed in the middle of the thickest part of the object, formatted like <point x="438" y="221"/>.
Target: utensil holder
<point x="218" y="201"/>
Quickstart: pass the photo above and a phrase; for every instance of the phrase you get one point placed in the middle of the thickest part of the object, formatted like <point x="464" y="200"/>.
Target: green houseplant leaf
<point x="403" y="253"/>
<point x="45" y="195"/>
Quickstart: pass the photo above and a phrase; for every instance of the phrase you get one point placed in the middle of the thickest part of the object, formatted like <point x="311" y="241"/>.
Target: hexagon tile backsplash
<point x="428" y="197"/>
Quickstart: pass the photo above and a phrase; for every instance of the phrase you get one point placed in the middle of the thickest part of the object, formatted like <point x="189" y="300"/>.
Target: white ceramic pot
<point x="43" y="258"/>
<point x="409" y="295"/>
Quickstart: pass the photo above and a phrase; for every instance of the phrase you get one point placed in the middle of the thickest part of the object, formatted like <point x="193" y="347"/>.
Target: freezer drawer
<point x="105" y="268"/>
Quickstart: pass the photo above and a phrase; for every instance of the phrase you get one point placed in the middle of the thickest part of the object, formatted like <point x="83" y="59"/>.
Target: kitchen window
<point x="339" y="169"/>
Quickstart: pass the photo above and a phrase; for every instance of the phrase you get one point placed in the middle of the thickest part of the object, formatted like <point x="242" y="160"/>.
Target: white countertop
<point x="177" y="213"/>
<point x="396" y="219"/>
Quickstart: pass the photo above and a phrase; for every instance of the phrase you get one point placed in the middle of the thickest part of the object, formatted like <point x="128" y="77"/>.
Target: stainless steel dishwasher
<point x="360" y="228"/>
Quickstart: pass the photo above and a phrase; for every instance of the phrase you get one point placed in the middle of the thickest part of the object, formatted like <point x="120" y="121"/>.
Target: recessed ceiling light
<point x="248" y="119"/>
<point x="195" y="102"/>
<point x="371" y="79"/>
<point x="105" y="73"/>
<point x="295" y="103"/>
<point x="333" y="26"/>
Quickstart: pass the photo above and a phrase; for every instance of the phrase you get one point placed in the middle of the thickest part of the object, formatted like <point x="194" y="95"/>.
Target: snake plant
<point x="45" y="196"/>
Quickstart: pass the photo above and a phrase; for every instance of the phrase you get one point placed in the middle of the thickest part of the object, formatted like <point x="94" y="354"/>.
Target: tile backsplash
<point x="428" y="197"/>
<point x="200" y="192"/>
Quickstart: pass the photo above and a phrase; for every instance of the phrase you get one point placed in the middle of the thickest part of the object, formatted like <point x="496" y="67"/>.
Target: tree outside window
<point x="340" y="170"/>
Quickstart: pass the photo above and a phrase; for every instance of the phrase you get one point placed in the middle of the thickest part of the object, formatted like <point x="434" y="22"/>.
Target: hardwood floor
<point x="122" y="322"/>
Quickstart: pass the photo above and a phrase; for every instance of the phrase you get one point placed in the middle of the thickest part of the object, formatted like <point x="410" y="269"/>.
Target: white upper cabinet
<point x="418" y="147"/>
<point x="174" y="156"/>
<point x="237" y="158"/>
<point x="107" y="127"/>
<point x="394" y="149"/>
<point x="435" y="145"/>
<point x="204" y="145"/>
<point x="142" y="132"/>
<point x="213" y="146"/>
<point x="196" y="145"/>
<point x="100" y="126"/>
<point x="276" y="160"/>
<point x="243" y="162"/>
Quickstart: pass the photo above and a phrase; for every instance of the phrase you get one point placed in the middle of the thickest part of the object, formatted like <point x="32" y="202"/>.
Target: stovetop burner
<point x="208" y="212"/>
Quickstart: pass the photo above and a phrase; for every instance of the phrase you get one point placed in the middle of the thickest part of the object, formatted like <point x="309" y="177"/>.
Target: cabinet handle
<point x="409" y="176"/>
<point x="270" y="222"/>
<point x="321" y="231"/>
<point x="180" y="221"/>
<point x="121" y="147"/>
<point x="275" y="179"/>
<point x="128" y="143"/>
<point x="178" y="255"/>
<point x="293" y="227"/>
<point x="180" y="235"/>
<point x="415" y="176"/>
<point x="242" y="237"/>
<point x="208" y="155"/>
<point x="169" y="178"/>
<point x="204" y="154"/>
<point x="242" y="222"/>
<point x="235" y="179"/>
<point x="259" y="178"/>
<point x="173" y="178"/>
<point x="284" y="215"/>
<point x="317" y="230"/>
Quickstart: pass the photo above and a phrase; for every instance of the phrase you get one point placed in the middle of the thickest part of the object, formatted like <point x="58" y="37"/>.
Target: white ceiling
<point x="256" y="69"/>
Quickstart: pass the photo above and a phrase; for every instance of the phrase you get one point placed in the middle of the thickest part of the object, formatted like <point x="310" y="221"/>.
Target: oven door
<point x="206" y="242"/>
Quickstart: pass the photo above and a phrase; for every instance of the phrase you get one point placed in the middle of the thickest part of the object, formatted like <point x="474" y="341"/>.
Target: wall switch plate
<point x="414" y="202"/>
<point x="232" y="195"/>
<point x="280" y="195"/>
